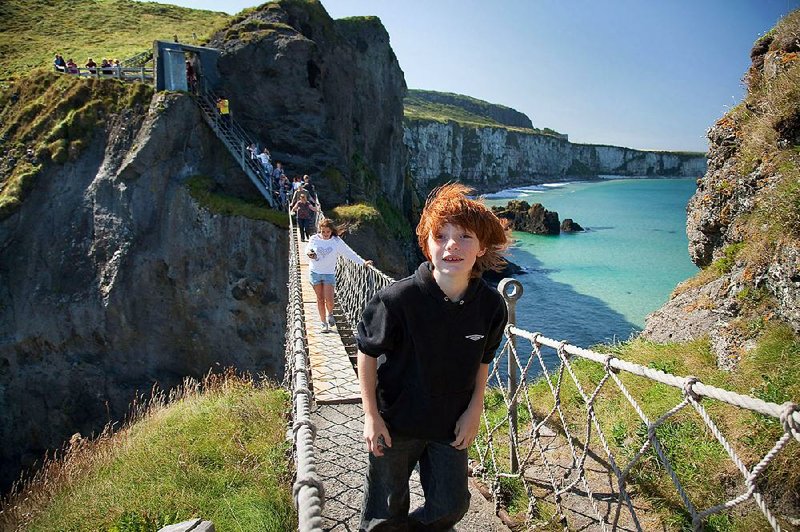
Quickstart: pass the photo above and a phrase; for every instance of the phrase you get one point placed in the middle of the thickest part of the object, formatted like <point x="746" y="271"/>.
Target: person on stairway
<point x="266" y="162"/>
<point x="323" y="249"/>
<point x="438" y="330"/>
<point x="224" y="109"/>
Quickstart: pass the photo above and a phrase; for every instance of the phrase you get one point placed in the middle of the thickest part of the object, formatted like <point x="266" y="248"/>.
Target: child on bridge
<point x="438" y="330"/>
<point x="323" y="249"/>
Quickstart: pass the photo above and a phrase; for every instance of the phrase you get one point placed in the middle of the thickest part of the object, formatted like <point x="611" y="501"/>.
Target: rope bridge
<point x="563" y="457"/>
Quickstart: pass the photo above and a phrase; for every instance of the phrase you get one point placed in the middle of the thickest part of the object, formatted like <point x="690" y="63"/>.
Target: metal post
<point x="511" y="290"/>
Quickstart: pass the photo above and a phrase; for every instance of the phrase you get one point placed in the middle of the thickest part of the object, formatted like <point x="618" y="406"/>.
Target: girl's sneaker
<point x="331" y="321"/>
<point x="325" y="327"/>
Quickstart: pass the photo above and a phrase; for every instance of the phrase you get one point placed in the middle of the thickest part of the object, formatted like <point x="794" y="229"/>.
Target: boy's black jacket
<point x="433" y="350"/>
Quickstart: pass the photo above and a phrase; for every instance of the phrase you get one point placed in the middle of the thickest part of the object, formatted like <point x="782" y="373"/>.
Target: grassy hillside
<point x="215" y="450"/>
<point x="465" y="110"/>
<point x="34" y="30"/>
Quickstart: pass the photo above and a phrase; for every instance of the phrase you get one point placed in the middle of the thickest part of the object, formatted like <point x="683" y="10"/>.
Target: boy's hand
<point x="376" y="434"/>
<point x="467" y="428"/>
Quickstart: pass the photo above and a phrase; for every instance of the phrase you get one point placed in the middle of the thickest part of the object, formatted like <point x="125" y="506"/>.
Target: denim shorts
<point x="323" y="278"/>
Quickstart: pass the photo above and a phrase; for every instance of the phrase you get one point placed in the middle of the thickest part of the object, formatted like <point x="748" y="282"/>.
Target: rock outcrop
<point x="326" y="96"/>
<point x="493" y="158"/>
<point x="741" y="221"/>
<point x="570" y="226"/>
<point x="530" y="218"/>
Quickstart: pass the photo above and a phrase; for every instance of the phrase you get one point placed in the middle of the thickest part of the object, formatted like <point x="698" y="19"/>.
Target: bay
<point x="599" y="285"/>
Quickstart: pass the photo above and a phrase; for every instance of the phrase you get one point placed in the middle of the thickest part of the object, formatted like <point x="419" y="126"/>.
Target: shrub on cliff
<point x="203" y="190"/>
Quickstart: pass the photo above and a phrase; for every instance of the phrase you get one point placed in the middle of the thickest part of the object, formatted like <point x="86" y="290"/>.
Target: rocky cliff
<point x="492" y="158"/>
<point x="114" y="278"/>
<point x="744" y="219"/>
<point x="326" y="96"/>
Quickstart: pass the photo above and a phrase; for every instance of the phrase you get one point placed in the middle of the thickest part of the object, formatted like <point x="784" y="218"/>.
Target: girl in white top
<point x="323" y="249"/>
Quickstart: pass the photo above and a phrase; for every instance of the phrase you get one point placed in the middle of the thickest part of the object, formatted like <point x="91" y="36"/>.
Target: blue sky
<point x="649" y="74"/>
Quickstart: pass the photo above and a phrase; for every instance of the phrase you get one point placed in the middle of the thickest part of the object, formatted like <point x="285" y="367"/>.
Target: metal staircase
<point x="236" y="140"/>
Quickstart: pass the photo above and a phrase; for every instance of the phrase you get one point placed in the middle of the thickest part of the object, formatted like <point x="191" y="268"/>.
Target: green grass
<point x="420" y="105"/>
<point x="202" y="189"/>
<point x="220" y="454"/>
<point x="770" y="372"/>
<point x="34" y="30"/>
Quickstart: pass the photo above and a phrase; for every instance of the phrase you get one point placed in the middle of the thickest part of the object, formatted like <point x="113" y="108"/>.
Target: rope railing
<point x="564" y="466"/>
<point x="308" y="490"/>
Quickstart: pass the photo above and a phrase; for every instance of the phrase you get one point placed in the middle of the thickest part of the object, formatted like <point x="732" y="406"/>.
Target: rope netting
<point x="576" y="471"/>
<point x="355" y="286"/>
<point x="563" y="447"/>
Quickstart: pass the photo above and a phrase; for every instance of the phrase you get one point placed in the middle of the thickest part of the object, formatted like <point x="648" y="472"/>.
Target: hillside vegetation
<point x="744" y="219"/>
<point x="48" y="119"/>
<point x="33" y="31"/>
<point x="215" y="450"/>
<point x="465" y="110"/>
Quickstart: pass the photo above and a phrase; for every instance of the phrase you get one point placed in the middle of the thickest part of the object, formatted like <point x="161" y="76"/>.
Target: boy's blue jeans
<point x="443" y="475"/>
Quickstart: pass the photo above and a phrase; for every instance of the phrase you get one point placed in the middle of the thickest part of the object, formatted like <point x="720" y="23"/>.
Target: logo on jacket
<point x="474" y="337"/>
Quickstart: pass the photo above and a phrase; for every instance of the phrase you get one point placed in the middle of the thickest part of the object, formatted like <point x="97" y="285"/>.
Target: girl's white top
<point x="327" y="253"/>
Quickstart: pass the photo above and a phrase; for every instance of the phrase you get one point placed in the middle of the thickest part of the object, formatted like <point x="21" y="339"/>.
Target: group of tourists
<point x="287" y="192"/>
<point x="106" y="67"/>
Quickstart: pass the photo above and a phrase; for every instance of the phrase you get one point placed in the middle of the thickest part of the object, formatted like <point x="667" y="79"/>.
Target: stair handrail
<point x="236" y="140"/>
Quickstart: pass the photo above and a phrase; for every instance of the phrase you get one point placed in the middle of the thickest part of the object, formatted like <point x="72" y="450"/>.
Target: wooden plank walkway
<point x="332" y="375"/>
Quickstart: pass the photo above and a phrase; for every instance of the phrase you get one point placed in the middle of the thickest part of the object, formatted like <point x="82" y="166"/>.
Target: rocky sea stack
<point x="534" y="219"/>
<point x="325" y="95"/>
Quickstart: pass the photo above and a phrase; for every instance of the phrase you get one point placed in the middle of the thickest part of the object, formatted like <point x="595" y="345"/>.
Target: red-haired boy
<point x="438" y="330"/>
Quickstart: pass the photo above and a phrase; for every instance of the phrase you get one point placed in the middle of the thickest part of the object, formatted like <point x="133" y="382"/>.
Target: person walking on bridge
<point x="438" y="330"/>
<point x="305" y="216"/>
<point x="323" y="249"/>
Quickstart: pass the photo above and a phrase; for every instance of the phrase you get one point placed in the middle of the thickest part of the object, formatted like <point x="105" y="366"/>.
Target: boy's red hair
<point x="449" y="204"/>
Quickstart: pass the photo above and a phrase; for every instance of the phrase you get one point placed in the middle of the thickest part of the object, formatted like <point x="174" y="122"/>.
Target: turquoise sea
<point x="598" y="286"/>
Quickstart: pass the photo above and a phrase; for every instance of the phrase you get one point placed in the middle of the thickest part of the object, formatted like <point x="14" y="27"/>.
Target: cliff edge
<point x="743" y="221"/>
<point x="491" y="147"/>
